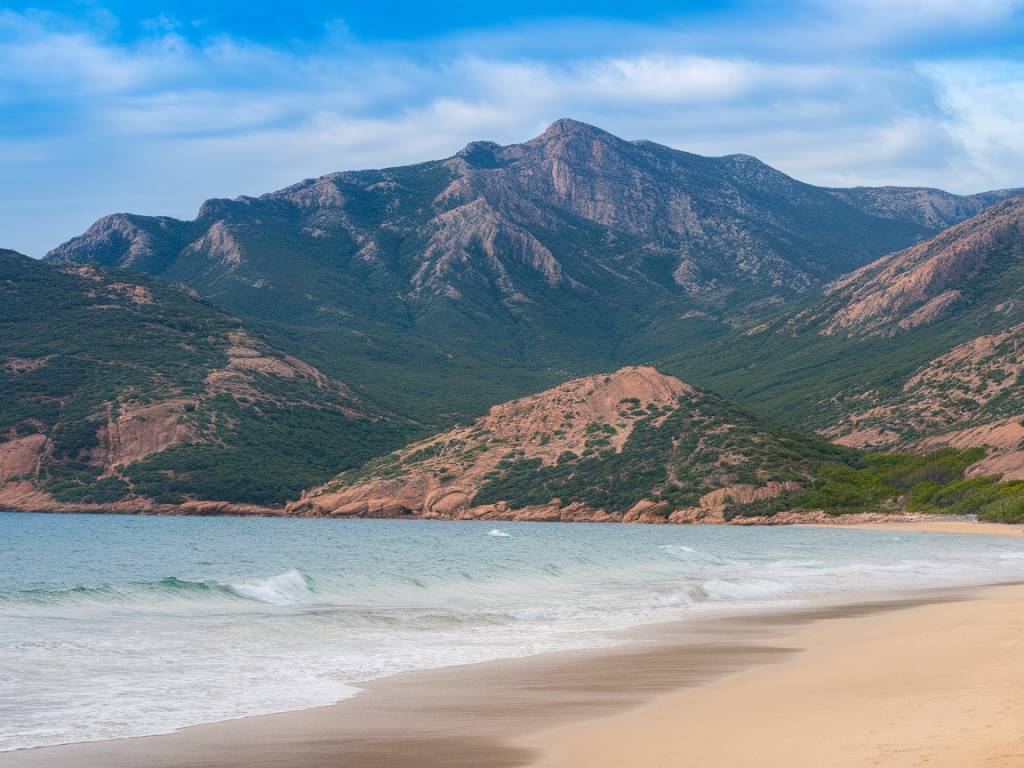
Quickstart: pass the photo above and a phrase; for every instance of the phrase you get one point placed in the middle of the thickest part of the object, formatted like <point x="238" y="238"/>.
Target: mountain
<point x="930" y="208"/>
<point x="123" y="392"/>
<point x="633" y="445"/>
<point x="965" y="268"/>
<point x="506" y="269"/>
<point x="919" y="349"/>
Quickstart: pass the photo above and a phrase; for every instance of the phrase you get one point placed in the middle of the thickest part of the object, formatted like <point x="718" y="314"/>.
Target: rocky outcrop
<point x="438" y="477"/>
<point x="638" y="428"/>
<point x="19" y="456"/>
<point x="135" y="432"/>
<point x="25" y="496"/>
<point x="126" y="240"/>
<point x="921" y="284"/>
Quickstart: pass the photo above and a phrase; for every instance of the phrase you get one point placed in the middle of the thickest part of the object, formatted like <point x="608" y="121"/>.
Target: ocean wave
<point x="689" y="554"/>
<point x="283" y="589"/>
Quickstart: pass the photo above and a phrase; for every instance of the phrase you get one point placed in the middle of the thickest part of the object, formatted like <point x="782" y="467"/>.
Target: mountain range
<point x="406" y="301"/>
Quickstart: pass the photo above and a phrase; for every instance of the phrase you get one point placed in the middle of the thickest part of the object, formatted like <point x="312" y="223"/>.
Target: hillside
<point x="932" y="208"/>
<point x="505" y="269"/>
<point x="634" y="445"/>
<point x="919" y="349"/>
<point x="121" y="390"/>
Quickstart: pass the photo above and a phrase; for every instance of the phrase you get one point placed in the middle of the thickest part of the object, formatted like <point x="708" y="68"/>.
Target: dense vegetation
<point x="934" y="483"/>
<point x="704" y="444"/>
<point x="80" y="345"/>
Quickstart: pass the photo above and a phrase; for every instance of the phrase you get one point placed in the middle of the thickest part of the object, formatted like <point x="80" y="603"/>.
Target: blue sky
<point x="152" y="107"/>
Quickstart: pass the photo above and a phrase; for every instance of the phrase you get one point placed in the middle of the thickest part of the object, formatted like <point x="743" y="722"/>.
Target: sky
<point x="152" y="107"/>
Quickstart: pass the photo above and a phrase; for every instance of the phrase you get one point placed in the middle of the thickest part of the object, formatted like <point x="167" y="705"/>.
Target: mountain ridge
<point x="919" y="349"/>
<point x="505" y="269"/>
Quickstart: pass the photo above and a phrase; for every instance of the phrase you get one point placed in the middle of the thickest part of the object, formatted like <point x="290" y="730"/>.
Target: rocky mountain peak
<point x="539" y="241"/>
<point x="566" y="126"/>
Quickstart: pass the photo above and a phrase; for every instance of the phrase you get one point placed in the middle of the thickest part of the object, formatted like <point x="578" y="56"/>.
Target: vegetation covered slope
<point x="119" y="389"/>
<point x="631" y="445"/>
<point x="446" y="286"/>
<point x="919" y="349"/>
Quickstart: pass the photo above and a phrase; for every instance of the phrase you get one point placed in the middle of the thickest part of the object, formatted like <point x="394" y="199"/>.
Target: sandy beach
<point x="931" y="679"/>
<point x="935" y="685"/>
<point x="938" y="525"/>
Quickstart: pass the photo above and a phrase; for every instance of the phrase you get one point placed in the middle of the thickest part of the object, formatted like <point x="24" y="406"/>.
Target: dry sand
<point x="933" y="685"/>
<point x="938" y="525"/>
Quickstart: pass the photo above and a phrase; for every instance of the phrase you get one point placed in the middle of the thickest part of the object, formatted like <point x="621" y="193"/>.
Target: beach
<point x="931" y="679"/>
<point x="890" y="676"/>
<point x="937" y="524"/>
<point x="936" y="685"/>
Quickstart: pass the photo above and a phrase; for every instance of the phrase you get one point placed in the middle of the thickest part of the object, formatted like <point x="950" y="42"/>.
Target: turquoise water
<point x="119" y="626"/>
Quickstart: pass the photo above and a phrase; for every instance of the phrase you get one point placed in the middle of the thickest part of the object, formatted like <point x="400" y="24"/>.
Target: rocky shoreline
<point x="22" y="497"/>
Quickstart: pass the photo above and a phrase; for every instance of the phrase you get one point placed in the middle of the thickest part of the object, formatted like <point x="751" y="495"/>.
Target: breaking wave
<point x="286" y="588"/>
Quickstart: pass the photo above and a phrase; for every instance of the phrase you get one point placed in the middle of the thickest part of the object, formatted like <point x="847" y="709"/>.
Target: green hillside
<point x="118" y="387"/>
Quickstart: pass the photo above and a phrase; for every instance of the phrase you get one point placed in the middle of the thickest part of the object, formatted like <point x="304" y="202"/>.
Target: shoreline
<point x="490" y="715"/>
<point x="865" y="521"/>
<point x="956" y="526"/>
<point x="937" y="684"/>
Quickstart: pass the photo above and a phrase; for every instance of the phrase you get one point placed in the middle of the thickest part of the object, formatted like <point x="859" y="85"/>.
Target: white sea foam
<point x="284" y="589"/>
<point x="758" y="589"/>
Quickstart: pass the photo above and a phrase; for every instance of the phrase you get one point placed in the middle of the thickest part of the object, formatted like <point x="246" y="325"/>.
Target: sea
<point x="116" y="626"/>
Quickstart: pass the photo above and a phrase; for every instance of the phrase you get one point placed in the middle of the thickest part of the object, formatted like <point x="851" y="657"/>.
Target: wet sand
<point x="489" y="715"/>
<point x="938" y="685"/>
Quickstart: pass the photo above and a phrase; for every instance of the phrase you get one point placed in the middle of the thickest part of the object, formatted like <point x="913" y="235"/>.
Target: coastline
<point x="936" y="684"/>
<point x="879" y="521"/>
<point x="957" y="526"/>
<point x="499" y="714"/>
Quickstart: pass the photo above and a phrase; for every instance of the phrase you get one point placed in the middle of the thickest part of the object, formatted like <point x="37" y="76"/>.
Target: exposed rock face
<point x="963" y="285"/>
<point x="541" y="231"/>
<point x="445" y="471"/>
<point x="138" y="242"/>
<point x="20" y="456"/>
<point x="921" y="284"/>
<point x="136" y="432"/>
<point x="977" y="381"/>
<point x="680" y="455"/>
<point x="932" y="208"/>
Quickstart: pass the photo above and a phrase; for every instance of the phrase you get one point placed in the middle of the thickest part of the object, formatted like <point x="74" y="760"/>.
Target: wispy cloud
<point x="158" y="124"/>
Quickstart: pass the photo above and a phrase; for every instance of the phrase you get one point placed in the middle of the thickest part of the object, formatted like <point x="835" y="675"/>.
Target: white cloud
<point x="984" y="102"/>
<point x="158" y="126"/>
